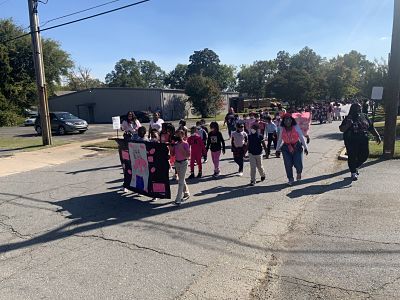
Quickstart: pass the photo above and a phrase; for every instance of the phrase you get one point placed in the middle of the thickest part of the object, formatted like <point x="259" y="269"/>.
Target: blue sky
<point x="239" y="31"/>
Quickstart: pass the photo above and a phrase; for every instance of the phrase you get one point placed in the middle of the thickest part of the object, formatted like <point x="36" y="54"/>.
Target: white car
<point x="30" y="121"/>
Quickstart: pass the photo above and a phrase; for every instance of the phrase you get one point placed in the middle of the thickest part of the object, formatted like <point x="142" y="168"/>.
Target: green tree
<point x="130" y="73"/>
<point x="176" y="79"/>
<point x="204" y="95"/>
<point x="57" y="64"/>
<point x="207" y="63"/>
<point x="17" y="74"/>
<point x="254" y="79"/>
<point x="153" y="76"/>
<point x="126" y="73"/>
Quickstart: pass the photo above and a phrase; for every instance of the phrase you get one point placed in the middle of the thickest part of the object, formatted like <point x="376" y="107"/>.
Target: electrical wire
<point x="75" y="21"/>
<point x="78" y="12"/>
<point x="94" y="16"/>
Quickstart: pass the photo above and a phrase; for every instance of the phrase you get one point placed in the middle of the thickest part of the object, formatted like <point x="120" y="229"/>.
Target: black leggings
<point x="357" y="151"/>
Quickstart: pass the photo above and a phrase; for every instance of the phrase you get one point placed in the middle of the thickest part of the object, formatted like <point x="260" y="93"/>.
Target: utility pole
<point x="393" y="88"/>
<point x="39" y="70"/>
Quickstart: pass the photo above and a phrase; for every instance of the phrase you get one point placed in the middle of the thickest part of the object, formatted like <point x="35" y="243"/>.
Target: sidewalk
<point x="346" y="244"/>
<point x="27" y="161"/>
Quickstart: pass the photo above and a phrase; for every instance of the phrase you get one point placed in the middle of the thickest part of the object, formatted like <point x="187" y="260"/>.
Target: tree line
<point x="298" y="78"/>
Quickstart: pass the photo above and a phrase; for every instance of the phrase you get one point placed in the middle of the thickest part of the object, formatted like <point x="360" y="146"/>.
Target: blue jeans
<point x="291" y="160"/>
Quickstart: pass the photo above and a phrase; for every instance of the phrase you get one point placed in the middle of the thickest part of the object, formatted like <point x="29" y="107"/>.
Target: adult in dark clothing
<point x="355" y="128"/>
<point x="230" y="121"/>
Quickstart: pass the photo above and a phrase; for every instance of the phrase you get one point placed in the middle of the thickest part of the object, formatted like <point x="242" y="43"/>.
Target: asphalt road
<point x="68" y="232"/>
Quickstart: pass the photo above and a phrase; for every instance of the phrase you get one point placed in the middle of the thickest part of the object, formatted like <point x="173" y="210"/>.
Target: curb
<point x="343" y="155"/>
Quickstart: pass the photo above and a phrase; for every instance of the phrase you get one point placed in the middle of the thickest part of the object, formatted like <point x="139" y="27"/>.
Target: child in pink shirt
<point x="181" y="151"/>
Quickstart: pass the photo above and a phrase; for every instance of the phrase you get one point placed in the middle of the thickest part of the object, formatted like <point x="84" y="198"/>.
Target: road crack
<point x="354" y="239"/>
<point x="14" y="232"/>
<point x="313" y="284"/>
<point x="140" y="247"/>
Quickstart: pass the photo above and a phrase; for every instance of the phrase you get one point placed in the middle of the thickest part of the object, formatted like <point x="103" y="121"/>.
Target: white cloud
<point x="384" y="38"/>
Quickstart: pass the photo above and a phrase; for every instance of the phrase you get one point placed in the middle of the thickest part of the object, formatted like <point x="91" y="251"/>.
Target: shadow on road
<point x="91" y="212"/>
<point x="93" y="170"/>
<point x="332" y="136"/>
<point x="320" y="189"/>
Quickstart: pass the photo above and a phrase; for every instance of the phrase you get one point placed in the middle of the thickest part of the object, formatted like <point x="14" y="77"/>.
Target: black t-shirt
<point x="255" y="144"/>
<point x="215" y="141"/>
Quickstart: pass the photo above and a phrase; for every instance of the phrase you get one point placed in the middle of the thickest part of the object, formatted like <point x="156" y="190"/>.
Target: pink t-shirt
<point x="181" y="151"/>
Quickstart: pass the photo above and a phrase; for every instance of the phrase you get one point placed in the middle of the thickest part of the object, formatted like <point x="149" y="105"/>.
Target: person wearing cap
<point x="291" y="143"/>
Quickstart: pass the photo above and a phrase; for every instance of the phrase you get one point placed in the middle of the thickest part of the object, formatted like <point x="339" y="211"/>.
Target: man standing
<point x="230" y="121"/>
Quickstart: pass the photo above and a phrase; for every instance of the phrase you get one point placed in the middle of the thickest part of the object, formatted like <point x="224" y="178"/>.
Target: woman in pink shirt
<point x="181" y="151"/>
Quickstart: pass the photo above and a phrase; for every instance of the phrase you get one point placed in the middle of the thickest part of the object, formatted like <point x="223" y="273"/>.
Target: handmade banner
<point x="304" y="121"/>
<point x="146" y="168"/>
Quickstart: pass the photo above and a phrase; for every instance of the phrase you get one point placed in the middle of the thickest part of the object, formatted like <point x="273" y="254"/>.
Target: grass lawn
<point x="220" y="117"/>
<point x="376" y="151"/>
<point x="105" y="145"/>
<point x="380" y="126"/>
<point x="25" y="144"/>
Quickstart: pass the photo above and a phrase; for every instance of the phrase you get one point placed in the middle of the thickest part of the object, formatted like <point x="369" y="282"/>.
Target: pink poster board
<point x="304" y="121"/>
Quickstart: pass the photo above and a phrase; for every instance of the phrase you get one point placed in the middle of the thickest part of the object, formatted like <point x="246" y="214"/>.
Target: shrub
<point x="10" y="118"/>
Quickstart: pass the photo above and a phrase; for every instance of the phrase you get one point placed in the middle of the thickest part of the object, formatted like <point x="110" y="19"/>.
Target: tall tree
<point x="130" y="73"/>
<point x="176" y="79"/>
<point x="254" y="79"/>
<point x="207" y="63"/>
<point x="204" y="94"/>
<point x="153" y="76"/>
<point x="18" y="84"/>
<point x="126" y="73"/>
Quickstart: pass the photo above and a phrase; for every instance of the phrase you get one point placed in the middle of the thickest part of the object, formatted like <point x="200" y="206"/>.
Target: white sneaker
<point x="240" y="174"/>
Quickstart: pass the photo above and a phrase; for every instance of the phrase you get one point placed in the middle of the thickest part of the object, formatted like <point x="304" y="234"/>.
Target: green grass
<point x="104" y="145"/>
<point x="380" y="126"/>
<point x="376" y="151"/>
<point x="219" y="117"/>
<point x="25" y="144"/>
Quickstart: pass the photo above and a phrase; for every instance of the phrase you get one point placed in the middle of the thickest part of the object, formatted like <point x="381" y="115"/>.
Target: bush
<point x="10" y="118"/>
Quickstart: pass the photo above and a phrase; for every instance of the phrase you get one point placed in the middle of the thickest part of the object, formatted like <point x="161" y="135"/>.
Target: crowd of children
<point x="248" y="138"/>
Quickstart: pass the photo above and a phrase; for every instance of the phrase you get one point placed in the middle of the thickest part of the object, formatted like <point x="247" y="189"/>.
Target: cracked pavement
<point x="69" y="232"/>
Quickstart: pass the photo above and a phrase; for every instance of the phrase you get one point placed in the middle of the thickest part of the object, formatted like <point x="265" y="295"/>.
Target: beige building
<point x="99" y="105"/>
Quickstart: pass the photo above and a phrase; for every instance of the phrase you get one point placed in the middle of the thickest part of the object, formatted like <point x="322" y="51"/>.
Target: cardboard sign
<point x="377" y="93"/>
<point x="116" y="123"/>
<point x="304" y="121"/>
<point x="146" y="168"/>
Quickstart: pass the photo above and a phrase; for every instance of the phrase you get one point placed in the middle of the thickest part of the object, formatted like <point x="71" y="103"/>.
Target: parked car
<point x="30" y="121"/>
<point x="62" y="123"/>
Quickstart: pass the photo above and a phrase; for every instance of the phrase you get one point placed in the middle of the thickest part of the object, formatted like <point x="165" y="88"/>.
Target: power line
<point x="77" y="20"/>
<point x="94" y="16"/>
<point x="79" y="12"/>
